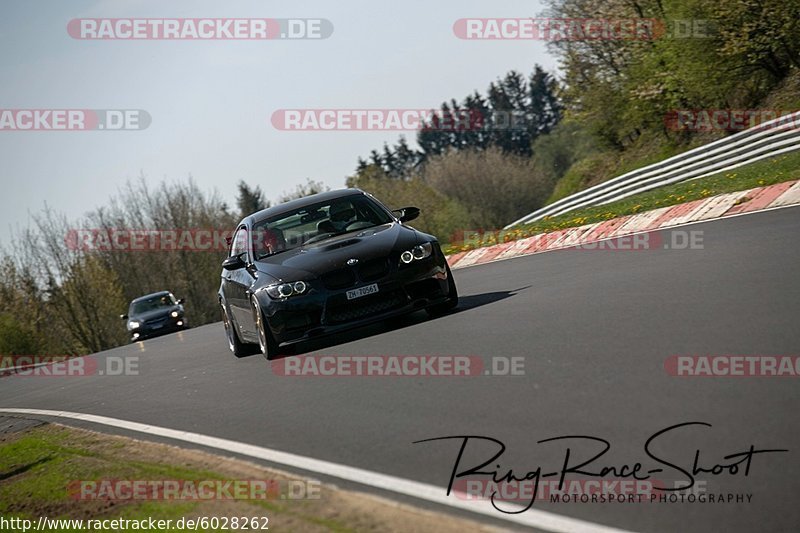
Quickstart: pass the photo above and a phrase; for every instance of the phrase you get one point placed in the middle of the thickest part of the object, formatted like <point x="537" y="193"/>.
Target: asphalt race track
<point x="594" y="328"/>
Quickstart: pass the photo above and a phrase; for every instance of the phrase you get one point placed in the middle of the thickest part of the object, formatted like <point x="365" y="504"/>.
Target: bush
<point x="441" y="216"/>
<point x="496" y="188"/>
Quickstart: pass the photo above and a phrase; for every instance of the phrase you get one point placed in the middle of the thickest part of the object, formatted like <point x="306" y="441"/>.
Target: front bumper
<point x="147" y="331"/>
<point x="325" y="311"/>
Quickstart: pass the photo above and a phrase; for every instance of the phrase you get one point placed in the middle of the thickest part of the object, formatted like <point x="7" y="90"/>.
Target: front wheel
<point x="452" y="297"/>
<point x="237" y="347"/>
<point x="266" y="342"/>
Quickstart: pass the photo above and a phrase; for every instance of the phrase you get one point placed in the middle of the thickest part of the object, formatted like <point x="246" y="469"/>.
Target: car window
<point x="153" y="303"/>
<point x="239" y="242"/>
<point x="294" y="228"/>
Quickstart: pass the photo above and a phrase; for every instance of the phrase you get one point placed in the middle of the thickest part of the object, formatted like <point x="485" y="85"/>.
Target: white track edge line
<point x="535" y="518"/>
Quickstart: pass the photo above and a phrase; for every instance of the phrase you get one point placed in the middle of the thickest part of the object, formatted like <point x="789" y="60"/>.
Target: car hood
<point x="313" y="260"/>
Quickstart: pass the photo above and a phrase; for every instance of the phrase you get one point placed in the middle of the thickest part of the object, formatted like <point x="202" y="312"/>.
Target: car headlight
<point x="133" y="324"/>
<point x="174" y="314"/>
<point x="286" y="290"/>
<point x="417" y="253"/>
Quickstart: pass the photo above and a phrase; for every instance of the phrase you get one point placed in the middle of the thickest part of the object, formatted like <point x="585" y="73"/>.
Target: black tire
<point x="237" y="347"/>
<point x="266" y="342"/>
<point x="452" y="300"/>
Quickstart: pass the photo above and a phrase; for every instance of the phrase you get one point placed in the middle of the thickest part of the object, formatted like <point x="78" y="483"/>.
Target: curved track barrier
<point x="769" y="139"/>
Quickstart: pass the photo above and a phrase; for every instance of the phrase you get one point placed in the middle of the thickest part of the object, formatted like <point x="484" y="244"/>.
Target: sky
<point x="211" y="101"/>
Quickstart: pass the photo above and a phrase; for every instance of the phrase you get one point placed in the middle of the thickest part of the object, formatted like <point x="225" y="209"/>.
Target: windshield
<point x="316" y="222"/>
<point x="153" y="303"/>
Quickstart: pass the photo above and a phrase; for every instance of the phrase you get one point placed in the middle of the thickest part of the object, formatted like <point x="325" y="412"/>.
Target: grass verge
<point x="778" y="169"/>
<point x="40" y="462"/>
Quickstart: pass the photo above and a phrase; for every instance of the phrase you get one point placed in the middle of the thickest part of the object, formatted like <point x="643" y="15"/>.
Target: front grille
<point x="345" y="311"/>
<point x="339" y="279"/>
<point x="374" y="269"/>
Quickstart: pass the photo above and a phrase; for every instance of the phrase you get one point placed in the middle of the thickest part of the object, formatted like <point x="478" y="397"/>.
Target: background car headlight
<point x="133" y="324"/>
<point x="174" y="314"/>
<point x="285" y="290"/>
<point x="417" y="253"/>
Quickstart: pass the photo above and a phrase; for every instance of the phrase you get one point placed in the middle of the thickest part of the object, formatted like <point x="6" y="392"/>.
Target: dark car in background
<point x="325" y="263"/>
<point x="155" y="314"/>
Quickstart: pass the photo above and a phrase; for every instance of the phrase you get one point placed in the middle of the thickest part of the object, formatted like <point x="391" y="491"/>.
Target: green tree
<point x="189" y="272"/>
<point x="555" y="152"/>
<point x="514" y="112"/>
<point x="304" y="189"/>
<point x="17" y="337"/>
<point x="250" y="199"/>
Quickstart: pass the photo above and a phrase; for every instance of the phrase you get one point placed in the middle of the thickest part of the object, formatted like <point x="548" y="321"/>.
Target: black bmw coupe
<point x="326" y="263"/>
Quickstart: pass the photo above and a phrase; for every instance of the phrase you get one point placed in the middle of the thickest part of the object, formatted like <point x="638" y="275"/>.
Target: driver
<point x="341" y="214"/>
<point x="272" y="241"/>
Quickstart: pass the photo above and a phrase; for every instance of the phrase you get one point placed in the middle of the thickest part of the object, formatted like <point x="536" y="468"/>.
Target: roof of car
<point x="151" y="295"/>
<point x="299" y="203"/>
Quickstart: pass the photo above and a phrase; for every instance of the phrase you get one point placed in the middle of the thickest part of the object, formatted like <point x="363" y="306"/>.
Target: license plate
<point x="362" y="291"/>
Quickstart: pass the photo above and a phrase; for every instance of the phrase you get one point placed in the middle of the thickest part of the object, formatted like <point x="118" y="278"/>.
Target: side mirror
<point x="407" y="214"/>
<point x="182" y="301"/>
<point x="124" y="317"/>
<point x="233" y="262"/>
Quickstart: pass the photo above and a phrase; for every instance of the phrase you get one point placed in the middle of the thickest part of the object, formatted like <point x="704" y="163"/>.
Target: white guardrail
<point x="768" y="139"/>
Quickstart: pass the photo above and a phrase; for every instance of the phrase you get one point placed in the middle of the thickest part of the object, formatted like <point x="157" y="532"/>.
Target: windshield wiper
<point x="264" y="256"/>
